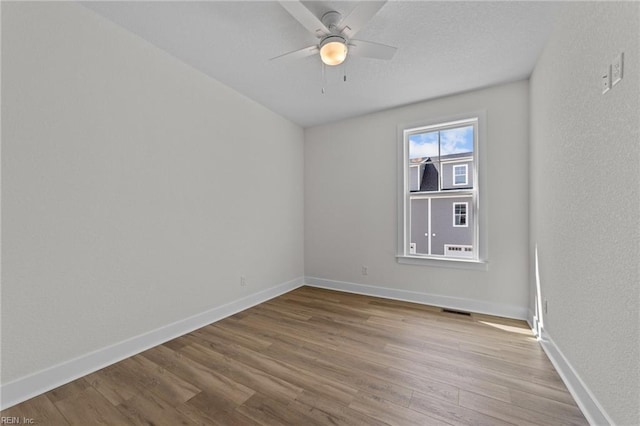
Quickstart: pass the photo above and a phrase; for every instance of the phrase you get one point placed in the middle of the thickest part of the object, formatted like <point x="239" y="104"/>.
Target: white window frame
<point x="477" y="206"/>
<point x="466" y="214"/>
<point x="466" y="174"/>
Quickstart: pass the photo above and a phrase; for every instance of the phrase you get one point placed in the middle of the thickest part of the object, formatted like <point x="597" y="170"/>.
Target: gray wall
<point x="415" y="177"/>
<point x="585" y="200"/>
<point x="125" y="190"/>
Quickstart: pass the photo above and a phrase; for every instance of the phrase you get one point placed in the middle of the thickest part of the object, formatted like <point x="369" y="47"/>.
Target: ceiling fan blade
<point x="297" y="54"/>
<point x="305" y="17"/>
<point x="370" y="49"/>
<point x="359" y="17"/>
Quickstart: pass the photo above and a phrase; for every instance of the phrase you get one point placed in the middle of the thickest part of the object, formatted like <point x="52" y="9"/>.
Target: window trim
<point x="466" y="174"/>
<point x="481" y="262"/>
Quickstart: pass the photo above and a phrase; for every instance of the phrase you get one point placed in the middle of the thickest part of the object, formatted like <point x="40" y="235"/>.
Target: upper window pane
<point x="423" y="145"/>
<point x="441" y="160"/>
<point x="456" y="141"/>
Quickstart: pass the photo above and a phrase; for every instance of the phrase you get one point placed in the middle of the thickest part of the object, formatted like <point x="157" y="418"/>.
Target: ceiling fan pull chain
<point x="324" y="77"/>
<point x="344" y="71"/>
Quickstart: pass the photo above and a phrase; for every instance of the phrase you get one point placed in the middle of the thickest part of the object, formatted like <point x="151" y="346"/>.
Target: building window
<point x="439" y="192"/>
<point x="460" y="214"/>
<point x="460" y="174"/>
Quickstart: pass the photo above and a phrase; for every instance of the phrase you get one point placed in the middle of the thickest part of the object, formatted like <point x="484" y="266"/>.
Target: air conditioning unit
<point x="456" y="250"/>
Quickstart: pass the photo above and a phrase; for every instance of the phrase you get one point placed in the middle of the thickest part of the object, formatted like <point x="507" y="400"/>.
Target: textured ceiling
<point x="443" y="48"/>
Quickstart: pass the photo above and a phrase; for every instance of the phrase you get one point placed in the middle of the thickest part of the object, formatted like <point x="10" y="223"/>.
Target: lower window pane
<point x="442" y="226"/>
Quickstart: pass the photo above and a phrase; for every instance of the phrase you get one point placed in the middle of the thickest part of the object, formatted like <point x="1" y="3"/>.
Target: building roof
<point x="418" y="160"/>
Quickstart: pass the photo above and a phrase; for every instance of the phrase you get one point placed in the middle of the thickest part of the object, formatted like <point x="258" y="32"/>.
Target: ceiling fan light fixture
<point x="333" y="50"/>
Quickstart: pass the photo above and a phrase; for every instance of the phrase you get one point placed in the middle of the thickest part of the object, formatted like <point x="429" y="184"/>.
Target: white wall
<point x="585" y="200"/>
<point x="351" y="193"/>
<point x="135" y="190"/>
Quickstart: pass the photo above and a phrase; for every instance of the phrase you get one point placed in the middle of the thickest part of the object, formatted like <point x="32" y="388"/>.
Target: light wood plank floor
<point x="318" y="357"/>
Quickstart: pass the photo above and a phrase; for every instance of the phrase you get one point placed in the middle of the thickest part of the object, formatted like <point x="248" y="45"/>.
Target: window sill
<point x="474" y="265"/>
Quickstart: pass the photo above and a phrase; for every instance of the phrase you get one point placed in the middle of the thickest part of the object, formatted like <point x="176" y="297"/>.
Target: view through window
<point x="441" y="190"/>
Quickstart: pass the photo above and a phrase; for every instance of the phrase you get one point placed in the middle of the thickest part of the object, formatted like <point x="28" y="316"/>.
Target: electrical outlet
<point x="243" y="281"/>
<point x="605" y="81"/>
<point x="365" y="270"/>
<point x="616" y="69"/>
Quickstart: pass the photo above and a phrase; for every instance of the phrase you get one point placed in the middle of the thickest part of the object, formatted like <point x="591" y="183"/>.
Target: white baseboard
<point x="461" y="304"/>
<point x="42" y="381"/>
<point x="534" y="323"/>
<point x="591" y="408"/>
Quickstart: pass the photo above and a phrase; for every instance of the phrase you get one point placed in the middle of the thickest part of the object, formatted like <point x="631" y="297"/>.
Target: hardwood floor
<point x="318" y="357"/>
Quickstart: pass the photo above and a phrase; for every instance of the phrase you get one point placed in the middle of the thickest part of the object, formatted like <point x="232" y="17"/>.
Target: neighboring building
<point x="457" y="173"/>
<point x="441" y="225"/>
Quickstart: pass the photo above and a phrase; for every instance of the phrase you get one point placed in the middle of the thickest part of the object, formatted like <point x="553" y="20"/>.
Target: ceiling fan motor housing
<point x="332" y="38"/>
<point x="331" y="19"/>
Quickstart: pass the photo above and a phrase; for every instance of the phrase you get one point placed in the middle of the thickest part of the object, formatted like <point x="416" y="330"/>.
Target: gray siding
<point x="442" y="229"/>
<point x="447" y="175"/>
<point x="442" y="224"/>
<point x="419" y="225"/>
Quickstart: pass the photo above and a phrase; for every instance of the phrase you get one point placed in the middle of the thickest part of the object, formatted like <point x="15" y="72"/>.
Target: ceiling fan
<point x="335" y="34"/>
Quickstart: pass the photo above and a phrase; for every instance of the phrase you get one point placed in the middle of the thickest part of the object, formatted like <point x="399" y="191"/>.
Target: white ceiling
<point x="443" y="48"/>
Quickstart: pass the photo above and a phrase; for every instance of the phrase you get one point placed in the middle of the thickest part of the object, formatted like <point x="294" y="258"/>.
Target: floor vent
<point x="452" y="311"/>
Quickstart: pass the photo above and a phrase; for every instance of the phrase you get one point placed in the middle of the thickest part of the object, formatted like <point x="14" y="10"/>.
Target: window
<point x="438" y="197"/>
<point x="460" y="214"/>
<point x="460" y="174"/>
